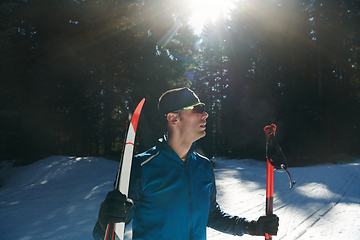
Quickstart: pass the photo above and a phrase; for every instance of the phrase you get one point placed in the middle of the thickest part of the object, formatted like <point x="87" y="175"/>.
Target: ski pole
<point x="269" y="130"/>
<point x="275" y="159"/>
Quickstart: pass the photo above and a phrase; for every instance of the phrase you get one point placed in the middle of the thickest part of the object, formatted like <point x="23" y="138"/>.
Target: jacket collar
<point x="163" y="144"/>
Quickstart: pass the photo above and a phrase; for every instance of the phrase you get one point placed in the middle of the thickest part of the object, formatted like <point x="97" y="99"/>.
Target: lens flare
<point x="164" y="41"/>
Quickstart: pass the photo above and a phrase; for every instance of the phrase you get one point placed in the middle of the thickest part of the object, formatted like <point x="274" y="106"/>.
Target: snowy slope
<point x="324" y="203"/>
<point x="58" y="198"/>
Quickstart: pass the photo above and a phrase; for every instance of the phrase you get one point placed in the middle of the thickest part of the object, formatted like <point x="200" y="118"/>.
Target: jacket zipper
<point x="191" y="206"/>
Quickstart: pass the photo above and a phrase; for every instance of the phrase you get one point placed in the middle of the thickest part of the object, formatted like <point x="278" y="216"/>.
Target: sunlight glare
<point x="203" y="10"/>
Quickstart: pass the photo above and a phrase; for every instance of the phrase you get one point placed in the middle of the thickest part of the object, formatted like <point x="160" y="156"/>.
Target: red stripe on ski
<point x="135" y="118"/>
<point x="107" y="231"/>
<point x="110" y="232"/>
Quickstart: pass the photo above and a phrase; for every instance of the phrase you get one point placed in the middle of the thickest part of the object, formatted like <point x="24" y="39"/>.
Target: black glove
<point x="265" y="224"/>
<point x="113" y="209"/>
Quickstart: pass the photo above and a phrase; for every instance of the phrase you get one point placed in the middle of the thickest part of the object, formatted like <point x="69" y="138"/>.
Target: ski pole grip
<point x="269" y="130"/>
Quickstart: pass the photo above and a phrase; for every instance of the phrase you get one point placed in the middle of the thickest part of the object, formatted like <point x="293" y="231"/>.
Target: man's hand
<point x="265" y="224"/>
<point x="114" y="209"/>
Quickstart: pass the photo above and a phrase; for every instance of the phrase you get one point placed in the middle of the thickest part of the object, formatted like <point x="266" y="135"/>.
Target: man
<point x="172" y="187"/>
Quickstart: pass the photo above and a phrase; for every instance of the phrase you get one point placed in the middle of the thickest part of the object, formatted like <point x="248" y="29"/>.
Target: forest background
<point x="68" y="68"/>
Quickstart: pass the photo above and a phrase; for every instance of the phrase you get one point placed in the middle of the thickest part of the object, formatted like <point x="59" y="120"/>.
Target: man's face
<point x="193" y="124"/>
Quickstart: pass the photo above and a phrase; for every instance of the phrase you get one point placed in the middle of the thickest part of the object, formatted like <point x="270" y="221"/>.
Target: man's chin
<point x="203" y="134"/>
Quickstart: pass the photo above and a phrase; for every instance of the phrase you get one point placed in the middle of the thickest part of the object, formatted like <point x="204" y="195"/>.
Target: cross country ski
<point x="123" y="176"/>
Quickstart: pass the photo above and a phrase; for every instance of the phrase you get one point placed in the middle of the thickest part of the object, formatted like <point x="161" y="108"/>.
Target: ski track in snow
<point x="59" y="198"/>
<point x="324" y="204"/>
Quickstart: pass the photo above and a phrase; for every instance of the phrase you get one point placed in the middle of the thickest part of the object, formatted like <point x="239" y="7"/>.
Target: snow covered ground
<point x="58" y="198"/>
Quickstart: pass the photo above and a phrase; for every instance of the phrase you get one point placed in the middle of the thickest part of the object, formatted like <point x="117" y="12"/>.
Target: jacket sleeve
<point x="96" y="232"/>
<point x="135" y="187"/>
<point x="221" y="221"/>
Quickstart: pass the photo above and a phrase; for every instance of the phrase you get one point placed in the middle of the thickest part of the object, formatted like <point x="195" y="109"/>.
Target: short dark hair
<point x="175" y="99"/>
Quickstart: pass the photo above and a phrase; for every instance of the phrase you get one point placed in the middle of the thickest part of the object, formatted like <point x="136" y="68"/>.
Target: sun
<point x="203" y="10"/>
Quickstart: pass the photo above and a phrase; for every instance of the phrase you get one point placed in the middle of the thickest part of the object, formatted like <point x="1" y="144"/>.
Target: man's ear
<point x="172" y="118"/>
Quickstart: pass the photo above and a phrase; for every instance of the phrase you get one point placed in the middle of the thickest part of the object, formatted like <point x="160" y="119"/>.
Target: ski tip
<point x="142" y="101"/>
<point x="139" y="106"/>
<point x="136" y="115"/>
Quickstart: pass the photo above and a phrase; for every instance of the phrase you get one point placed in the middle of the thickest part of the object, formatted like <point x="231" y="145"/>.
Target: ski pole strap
<point x="273" y="151"/>
<point x="274" y="154"/>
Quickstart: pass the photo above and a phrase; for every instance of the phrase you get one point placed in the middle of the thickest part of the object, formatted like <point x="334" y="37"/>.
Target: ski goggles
<point x="196" y="108"/>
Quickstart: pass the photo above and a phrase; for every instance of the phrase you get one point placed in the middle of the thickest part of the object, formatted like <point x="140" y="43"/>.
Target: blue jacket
<point x="174" y="199"/>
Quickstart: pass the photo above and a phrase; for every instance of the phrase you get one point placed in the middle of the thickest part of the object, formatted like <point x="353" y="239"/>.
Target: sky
<point x="59" y="197"/>
<point x="203" y="10"/>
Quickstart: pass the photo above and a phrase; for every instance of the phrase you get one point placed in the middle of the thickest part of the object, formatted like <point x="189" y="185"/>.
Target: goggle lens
<point x="196" y="108"/>
<point x="200" y="108"/>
